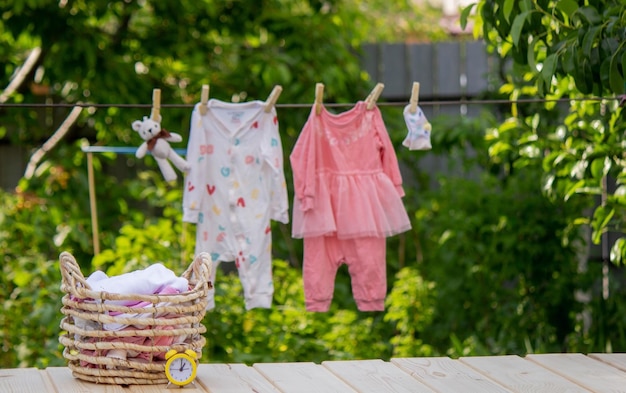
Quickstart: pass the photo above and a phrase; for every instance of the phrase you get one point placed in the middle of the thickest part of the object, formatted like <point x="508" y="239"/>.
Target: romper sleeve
<point x="303" y="164"/>
<point x="272" y="152"/>
<point x="192" y="195"/>
<point x="387" y="153"/>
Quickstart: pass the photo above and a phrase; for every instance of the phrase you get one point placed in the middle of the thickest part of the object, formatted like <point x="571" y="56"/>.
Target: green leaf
<point x="616" y="80"/>
<point x="601" y="218"/>
<point x="508" y="8"/>
<point x="465" y="14"/>
<point x="618" y="251"/>
<point x="590" y="14"/>
<point x="22" y="278"/>
<point x="567" y="60"/>
<point x="583" y="75"/>
<point x="600" y="167"/>
<point x="573" y="189"/>
<point x="549" y="67"/>
<point x="589" y="39"/>
<point x="568" y="7"/>
<point x="526" y="5"/>
<point x="498" y="148"/>
<point x="518" y="25"/>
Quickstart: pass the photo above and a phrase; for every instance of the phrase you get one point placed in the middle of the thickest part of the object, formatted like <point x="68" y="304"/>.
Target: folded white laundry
<point x="148" y="281"/>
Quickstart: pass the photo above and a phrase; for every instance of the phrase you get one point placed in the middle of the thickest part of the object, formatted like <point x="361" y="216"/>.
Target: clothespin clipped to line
<point x="415" y="92"/>
<point x="271" y="100"/>
<point x="155" y="114"/>
<point x="273" y="97"/>
<point x="370" y="100"/>
<point x="319" y="97"/>
<point x="204" y="99"/>
<point x="373" y="96"/>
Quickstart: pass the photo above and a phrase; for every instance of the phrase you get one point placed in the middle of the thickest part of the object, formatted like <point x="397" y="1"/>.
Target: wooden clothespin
<point x="415" y="93"/>
<point x="155" y="114"/>
<point x="373" y="96"/>
<point x="204" y="99"/>
<point x="273" y="97"/>
<point x="319" y="97"/>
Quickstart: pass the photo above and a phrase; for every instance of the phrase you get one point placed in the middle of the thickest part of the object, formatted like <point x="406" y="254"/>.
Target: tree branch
<point x="18" y="77"/>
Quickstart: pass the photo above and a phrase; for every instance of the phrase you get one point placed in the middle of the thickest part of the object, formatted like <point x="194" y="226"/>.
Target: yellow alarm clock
<point x="181" y="367"/>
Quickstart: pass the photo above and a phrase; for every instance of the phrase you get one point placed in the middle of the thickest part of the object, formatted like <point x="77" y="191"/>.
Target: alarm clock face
<point x="181" y="370"/>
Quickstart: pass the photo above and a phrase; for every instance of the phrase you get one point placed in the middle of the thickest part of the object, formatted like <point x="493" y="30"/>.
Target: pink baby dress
<point x="347" y="181"/>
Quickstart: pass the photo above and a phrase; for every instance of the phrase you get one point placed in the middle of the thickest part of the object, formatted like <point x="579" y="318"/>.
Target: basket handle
<point x="200" y="269"/>
<point x="71" y="276"/>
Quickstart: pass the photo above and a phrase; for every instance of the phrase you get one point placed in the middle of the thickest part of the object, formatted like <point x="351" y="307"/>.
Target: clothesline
<point x="329" y="105"/>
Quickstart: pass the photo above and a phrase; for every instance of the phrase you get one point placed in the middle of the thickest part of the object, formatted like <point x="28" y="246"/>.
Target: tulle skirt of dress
<point x="352" y="206"/>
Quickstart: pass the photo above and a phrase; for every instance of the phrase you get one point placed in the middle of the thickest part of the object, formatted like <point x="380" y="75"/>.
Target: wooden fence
<point x="446" y="71"/>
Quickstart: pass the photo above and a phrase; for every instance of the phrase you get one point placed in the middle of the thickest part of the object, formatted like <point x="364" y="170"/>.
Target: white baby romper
<point x="235" y="186"/>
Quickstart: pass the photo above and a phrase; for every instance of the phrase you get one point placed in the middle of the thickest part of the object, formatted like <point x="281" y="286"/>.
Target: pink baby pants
<point x="365" y="258"/>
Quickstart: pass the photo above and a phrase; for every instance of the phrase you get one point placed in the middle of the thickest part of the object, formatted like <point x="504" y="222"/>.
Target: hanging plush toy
<point x="156" y="141"/>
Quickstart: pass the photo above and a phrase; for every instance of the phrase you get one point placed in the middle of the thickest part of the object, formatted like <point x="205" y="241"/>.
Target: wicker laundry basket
<point x="133" y="355"/>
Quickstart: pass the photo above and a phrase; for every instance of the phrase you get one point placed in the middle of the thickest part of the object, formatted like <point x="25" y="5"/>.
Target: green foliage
<point x="410" y="306"/>
<point x="29" y="282"/>
<point x="505" y="269"/>
<point x="583" y="40"/>
<point x="501" y="253"/>
<point x="565" y="49"/>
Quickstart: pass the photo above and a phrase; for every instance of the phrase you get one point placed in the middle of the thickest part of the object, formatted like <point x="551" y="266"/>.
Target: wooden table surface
<point x="533" y="373"/>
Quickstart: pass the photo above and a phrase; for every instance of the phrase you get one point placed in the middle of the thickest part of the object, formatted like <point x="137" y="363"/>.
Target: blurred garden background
<point x="516" y="245"/>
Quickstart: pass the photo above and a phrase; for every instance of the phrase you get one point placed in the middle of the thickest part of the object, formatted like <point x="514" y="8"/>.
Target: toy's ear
<point x="137" y="125"/>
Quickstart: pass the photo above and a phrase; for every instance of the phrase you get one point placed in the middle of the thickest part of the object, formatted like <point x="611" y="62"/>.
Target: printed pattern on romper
<point x="236" y="186"/>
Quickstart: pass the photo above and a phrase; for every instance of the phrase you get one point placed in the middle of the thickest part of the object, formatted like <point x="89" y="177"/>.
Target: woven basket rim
<point x="73" y="281"/>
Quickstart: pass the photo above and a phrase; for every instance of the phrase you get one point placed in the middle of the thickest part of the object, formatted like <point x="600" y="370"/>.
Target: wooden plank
<point x="395" y="72"/>
<point x="12" y="165"/>
<point x="24" y="380"/>
<point x="476" y="67"/>
<point x="375" y="376"/>
<point x="232" y="378"/>
<point x="451" y="110"/>
<point x="304" y="377"/>
<point x="428" y="110"/>
<point x="494" y="77"/>
<point x="448" y="69"/>
<point x="520" y="375"/>
<point x="370" y="61"/>
<point x="585" y="371"/>
<point x="195" y="387"/>
<point x="617" y="360"/>
<point x="160" y="388"/>
<point x="448" y="375"/>
<point x="63" y="380"/>
<point x="420" y="58"/>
